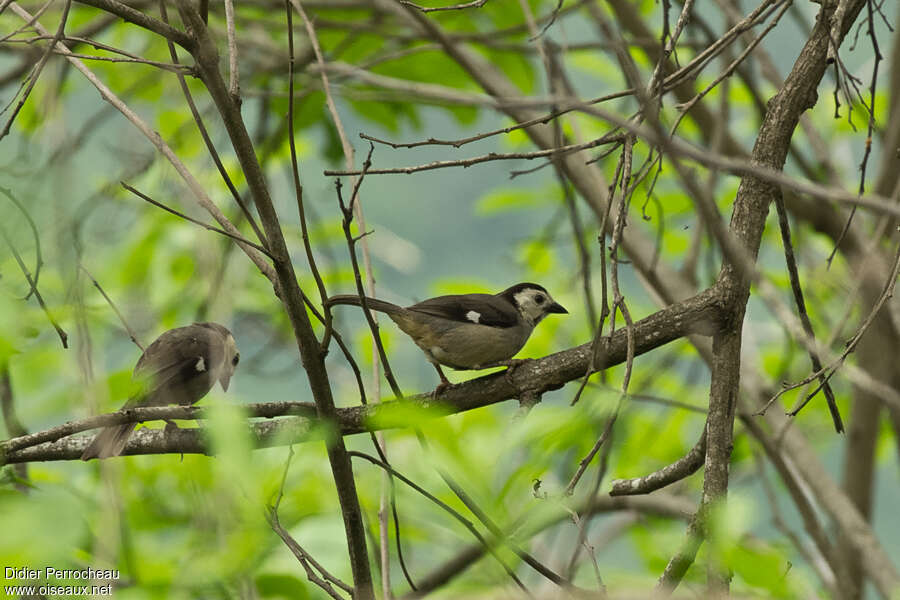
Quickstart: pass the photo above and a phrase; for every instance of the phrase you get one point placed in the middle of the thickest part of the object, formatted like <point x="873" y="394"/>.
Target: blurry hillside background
<point x="193" y="526"/>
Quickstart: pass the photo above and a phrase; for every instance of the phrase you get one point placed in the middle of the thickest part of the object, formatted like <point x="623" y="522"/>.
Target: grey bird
<point x="179" y="367"/>
<point x="468" y="331"/>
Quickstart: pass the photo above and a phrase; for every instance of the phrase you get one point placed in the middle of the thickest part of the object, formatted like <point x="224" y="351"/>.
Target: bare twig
<point x="566" y="107"/>
<point x="618" y="304"/>
<point x="493" y="156"/>
<point x="676" y="471"/>
<point x="451" y="511"/>
<point x="185" y="90"/>
<point x="323" y="579"/>
<point x="234" y="81"/>
<point x="38" y="68"/>
<point x="38" y="259"/>
<point x="152" y="136"/>
<point x="13" y="425"/>
<point x="314" y="571"/>
<point x="462" y="6"/>
<point x="661" y="505"/>
<point x="63" y="336"/>
<point x="131" y="334"/>
<point x="797" y="290"/>
<point x="233" y="236"/>
<point x="132" y="15"/>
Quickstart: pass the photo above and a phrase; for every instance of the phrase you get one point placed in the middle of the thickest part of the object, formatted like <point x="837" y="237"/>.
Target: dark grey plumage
<point x="468" y="331"/>
<point x="179" y="367"/>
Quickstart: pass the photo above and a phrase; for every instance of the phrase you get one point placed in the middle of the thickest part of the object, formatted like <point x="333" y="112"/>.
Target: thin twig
<point x="131" y="334"/>
<point x="447" y="508"/>
<point x="152" y="136"/>
<point x="234" y="82"/>
<point x="323" y="578"/>
<point x="309" y="564"/>
<point x="141" y="19"/>
<point x="38" y="68"/>
<point x="797" y="290"/>
<point x="493" y="156"/>
<point x="347" y="212"/>
<point x="482" y="516"/>
<point x="463" y="6"/>
<point x="63" y="336"/>
<point x="13" y="425"/>
<point x="38" y="259"/>
<point x="233" y="236"/>
<point x="541" y="120"/>
<point x="618" y="304"/>
<point x="214" y="154"/>
<point x="890" y="396"/>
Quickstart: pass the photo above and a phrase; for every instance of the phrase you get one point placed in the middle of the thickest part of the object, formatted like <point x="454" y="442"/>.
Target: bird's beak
<point x="557" y="308"/>
<point x="225" y="379"/>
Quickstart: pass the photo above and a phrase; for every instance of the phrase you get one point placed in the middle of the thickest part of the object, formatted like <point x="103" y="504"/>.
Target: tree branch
<point x="127" y="13"/>
<point x="684" y="467"/>
<point x="207" y="61"/>
<point x="699" y="314"/>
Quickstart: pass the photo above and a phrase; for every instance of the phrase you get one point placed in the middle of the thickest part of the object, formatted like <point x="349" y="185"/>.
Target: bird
<point x="179" y="367"/>
<point x="468" y="331"/>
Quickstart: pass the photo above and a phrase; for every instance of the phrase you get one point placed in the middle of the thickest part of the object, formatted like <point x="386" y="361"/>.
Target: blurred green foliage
<point x="195" y="526"/>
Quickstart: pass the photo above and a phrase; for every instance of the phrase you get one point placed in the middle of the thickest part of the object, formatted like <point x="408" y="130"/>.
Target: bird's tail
<point x="373" y="303"/>
<point x="109" y="442"/>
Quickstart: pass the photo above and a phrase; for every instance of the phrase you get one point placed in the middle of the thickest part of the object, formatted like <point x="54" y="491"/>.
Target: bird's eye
<point x="539" y="299"/>
<point x="236" y="359"/>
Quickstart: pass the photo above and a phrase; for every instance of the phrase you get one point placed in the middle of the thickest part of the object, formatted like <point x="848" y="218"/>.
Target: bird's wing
<point x="176" y="358"/>
<point x="484" y="309"/>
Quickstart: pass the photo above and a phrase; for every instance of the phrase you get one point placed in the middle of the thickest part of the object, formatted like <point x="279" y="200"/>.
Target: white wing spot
<point x="473" y="316"/>
<point x="201" y="364"/>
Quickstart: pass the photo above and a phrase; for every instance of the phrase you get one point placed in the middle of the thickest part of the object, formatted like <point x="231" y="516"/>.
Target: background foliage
<point x="195" y="526"/>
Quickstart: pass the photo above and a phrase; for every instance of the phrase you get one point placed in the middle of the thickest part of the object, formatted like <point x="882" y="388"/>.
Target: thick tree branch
<point x="207" y="61"/>
<point x="699" y="315"/>
<point x="754" y="196"/>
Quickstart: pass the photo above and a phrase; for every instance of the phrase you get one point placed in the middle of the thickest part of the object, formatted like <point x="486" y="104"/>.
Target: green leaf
<point x="406" y="414"/>
<point x="273" y="585"/>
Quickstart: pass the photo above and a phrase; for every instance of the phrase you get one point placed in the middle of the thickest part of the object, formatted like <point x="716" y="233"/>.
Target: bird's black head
<point x="532" y="301"/>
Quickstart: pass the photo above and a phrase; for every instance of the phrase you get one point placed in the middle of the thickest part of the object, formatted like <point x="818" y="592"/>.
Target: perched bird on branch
<point x="468" y="331"/>
<point x="179" y="367"/>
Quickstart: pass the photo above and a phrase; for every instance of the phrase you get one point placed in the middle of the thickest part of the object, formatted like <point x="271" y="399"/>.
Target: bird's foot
<point x="170" y="428"/>
<point x="441" y="387"/>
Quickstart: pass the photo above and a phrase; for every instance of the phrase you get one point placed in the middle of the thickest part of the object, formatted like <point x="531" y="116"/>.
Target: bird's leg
<point x="443" y="385"/>
<point x="171" y="426"/>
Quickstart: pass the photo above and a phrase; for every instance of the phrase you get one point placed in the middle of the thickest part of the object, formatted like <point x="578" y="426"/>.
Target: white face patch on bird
<point x="473" y="316"/>
<point x="232" y="358"/>
<point x="534" y="304"/>
<point x="201" y="364"/>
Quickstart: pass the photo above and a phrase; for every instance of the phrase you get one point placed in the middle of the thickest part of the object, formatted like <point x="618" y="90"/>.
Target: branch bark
<point x="754" y="196"/>
<point x="697" y="315"/>
<point x="207" y="61"/>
